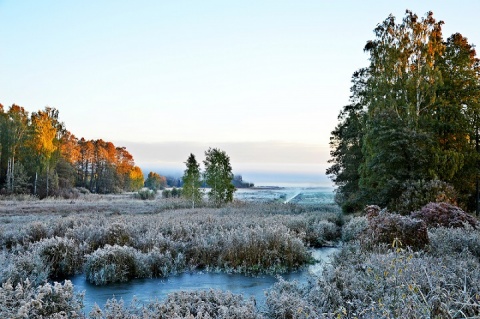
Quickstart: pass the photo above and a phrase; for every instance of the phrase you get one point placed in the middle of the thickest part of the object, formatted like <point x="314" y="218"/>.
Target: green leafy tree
<point x="413" y="116"/>
<point x="218" y="176"/>
<point x="192" y="181"/>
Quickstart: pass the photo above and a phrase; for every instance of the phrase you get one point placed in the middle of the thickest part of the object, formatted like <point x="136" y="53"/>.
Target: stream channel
<point x="150" y="289"/>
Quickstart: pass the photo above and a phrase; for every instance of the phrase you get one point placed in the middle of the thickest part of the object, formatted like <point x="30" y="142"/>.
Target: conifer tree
<point x="192" y="181"/>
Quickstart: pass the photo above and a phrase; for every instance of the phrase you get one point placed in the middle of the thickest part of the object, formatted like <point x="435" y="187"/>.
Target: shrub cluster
<point x="444" y="215"/>
<point x="189" y="305"/>
<point x="122" y="263"/>
<point x="388" y="228"/>
<point x="384" y="283"/>
<point x="246" y="238"/>
<point x="57" y="301"/>
<point x="145" y="194"/>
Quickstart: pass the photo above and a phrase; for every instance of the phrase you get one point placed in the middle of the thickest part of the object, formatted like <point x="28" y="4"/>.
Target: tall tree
<point x="14" y="133"/>
<point x="46" y="136"/>
<point x="413" y="116"/>
<point x="192" y="181"/>
<point x="218" y="176"/>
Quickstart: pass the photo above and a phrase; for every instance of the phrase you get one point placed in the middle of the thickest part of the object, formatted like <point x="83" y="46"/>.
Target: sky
<point x="262" y="80"/>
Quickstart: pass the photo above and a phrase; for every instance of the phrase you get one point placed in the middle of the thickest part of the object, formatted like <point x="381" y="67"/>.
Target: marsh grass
<point x="119" y="238"/>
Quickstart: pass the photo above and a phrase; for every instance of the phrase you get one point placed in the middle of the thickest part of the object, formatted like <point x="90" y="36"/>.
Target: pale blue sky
<point x="264" y="80"/>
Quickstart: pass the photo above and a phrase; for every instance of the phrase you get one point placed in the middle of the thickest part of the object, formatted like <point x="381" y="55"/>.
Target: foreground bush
<point x="188" y="305"/>
<point x="388" y="228"/>
<point x="55" y="301"/>
<point x="384" y="283"/>
<point x="444" y="215"/>
<point x="354" y="228"/>
<point x="19" y="266"/>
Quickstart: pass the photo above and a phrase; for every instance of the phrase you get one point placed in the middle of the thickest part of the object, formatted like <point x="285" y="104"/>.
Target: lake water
<point x="145" y="290"/>
<point x="297" y="195"/>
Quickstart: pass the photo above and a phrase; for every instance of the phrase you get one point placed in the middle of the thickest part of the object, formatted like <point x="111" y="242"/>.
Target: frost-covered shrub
<point x="22" y="265"/>
<point x="112" y="264"/>
<point x="145" y="194"/>
<point x="287" y="300"/>
<point x="354" y="228"/>
<point x="158" y="264"/>
<point x="117" y="234"/>
<point x="45" y="301"/>
<point x="37" y="231"/>
<point x="321" y="232"/>
<point x="386" y="228"/>
<point x="61" y="255"/>
<point x="203" y="304"/>
<point x="417" y="194"/>
<point x="449" y="241"/>
<point x="444" y="215"/>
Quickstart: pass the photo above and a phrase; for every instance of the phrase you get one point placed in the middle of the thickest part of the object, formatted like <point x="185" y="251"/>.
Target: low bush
<point x="25" y="300"/>
<point x="354" y="228"/>
<point x="62" y="256"/>
<point x="112" y="264"/>
<point x="201" y="304"/>
<point x="450" y="241"/>
<point x="321" y="233"/>
<point x="444" y="215"/>
<point x="386" y="228"/>
<point x="117" y="234"/>
<point x="37" y="231"/>
<point x="145" y="194"/>
<point x="18" y="266"/>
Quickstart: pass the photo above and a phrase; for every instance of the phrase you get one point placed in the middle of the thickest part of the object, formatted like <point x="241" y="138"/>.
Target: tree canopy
<point x="219" y="176"/>
<point x="413" y="116"/>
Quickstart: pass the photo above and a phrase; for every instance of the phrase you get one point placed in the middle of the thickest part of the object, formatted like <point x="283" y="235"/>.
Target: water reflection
<point x="146" y="290"/>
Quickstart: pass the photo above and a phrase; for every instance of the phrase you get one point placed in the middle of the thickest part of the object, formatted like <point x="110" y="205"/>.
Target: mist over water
<point x="261" y="178"/>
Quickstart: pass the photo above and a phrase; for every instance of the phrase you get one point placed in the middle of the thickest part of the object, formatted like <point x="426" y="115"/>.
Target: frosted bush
<point x="203" y="304"/>
<point x="117" y="234"/>
<point x="449" y="241"/>
<point x="112" y="264"/>
<point x="354" y="228"/>
<point x="321" y="233"/>
<point x="37" y="231"/>
<point x="287" y="300"/>
<point x="61" y="255"/>
<point x="44" y="301"/>
<point x="22" y="265"/>
<point x="444" y="215"/>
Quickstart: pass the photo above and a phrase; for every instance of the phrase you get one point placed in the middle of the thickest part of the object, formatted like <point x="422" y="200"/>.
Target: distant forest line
<point x="39" y="156"/>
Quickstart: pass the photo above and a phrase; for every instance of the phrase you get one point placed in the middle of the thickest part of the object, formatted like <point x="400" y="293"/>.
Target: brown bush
<point x="444" y="215"/>
<point x="385" y="228"/>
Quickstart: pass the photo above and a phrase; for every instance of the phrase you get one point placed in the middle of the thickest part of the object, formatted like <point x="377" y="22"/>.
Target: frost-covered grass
<point x="443" y="281"/>
<point x="112" y="244"/>
<point x="245" y="238"/>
